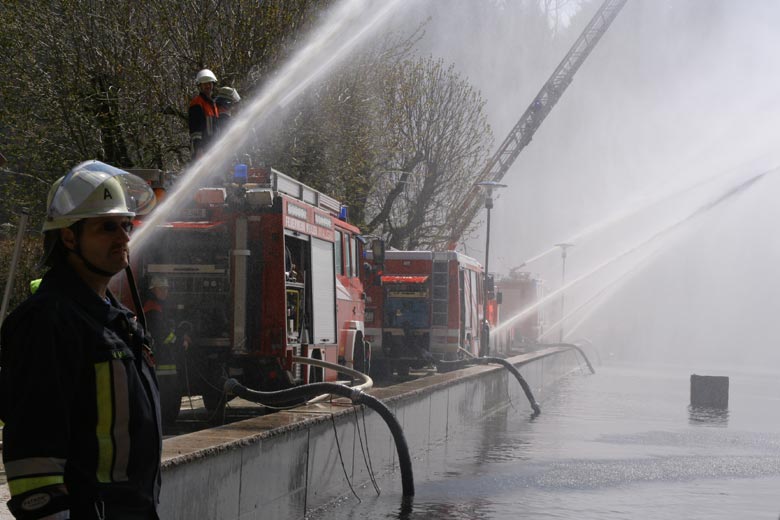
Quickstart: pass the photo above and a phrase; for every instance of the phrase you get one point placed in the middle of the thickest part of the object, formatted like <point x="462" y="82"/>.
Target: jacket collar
<point x="63" y="278"/>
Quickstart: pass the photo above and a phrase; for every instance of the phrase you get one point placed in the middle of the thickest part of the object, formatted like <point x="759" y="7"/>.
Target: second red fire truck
<point x="423" y="305"/>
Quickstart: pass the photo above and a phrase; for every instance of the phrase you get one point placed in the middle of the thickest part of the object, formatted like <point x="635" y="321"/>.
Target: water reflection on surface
<point x="708" y="416"/>
<point x="619" y="444"/>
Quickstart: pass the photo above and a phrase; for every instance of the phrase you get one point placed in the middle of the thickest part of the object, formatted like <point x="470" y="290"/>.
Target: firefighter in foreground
<point x="203" y="113"/>
<point x="78" y="393"/>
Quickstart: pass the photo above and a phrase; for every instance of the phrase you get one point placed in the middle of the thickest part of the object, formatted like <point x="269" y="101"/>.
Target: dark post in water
<point x="709" y="391"/>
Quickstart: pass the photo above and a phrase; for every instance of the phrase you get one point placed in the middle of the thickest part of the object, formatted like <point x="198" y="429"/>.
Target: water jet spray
<point x="732" y="191"/>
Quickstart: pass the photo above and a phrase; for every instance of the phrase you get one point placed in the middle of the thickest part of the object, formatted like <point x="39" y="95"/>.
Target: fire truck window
<point x="355" y="264"/>
<point x="339" y="253"/>
<point x="348" y="255"/>
<point x="480" y="285"/>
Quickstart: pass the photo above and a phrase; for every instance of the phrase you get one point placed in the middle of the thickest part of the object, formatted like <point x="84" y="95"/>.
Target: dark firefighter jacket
<point x="80" y="404"/>
<point x="202" y="116"/>
<point x="163" y="332"/>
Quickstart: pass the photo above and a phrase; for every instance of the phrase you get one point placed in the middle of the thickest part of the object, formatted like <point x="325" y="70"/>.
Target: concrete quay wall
<point x="286" y="464"/>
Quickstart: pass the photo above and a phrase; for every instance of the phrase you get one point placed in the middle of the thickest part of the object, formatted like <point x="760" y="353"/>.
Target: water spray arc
<point x="739" y="188"/>
<point x="630" y="210"/>
<point x="587" y="303"/>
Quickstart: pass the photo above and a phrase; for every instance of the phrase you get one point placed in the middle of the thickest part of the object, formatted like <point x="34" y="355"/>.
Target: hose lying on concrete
<point x="355" y="395"/>
<point x="445" y="366"/>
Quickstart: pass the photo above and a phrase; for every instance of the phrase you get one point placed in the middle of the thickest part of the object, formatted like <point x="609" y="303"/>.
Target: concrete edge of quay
<point x="289" y="463"/>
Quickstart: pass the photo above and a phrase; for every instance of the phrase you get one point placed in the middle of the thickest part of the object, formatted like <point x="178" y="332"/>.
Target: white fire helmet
<point x="95" y="189"/>
<point x="228" y="94"/>
<point x="158" y="281"/>
<point x="205" y="76"/>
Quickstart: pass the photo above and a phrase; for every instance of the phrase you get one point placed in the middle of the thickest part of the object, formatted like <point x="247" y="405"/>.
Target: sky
<point x="679" y="97"/>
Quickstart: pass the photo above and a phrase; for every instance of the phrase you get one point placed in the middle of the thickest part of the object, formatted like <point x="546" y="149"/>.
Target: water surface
<point x="619" y="444"/>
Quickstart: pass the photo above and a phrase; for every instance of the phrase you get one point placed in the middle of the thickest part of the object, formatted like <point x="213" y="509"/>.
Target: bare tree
<point x="112" y="79"/>
<point x="436" y="139"/>
<point x="394" y="136"/>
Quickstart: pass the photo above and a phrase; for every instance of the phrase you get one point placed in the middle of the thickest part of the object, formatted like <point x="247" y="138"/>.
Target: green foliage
<point x="26" y="269"/>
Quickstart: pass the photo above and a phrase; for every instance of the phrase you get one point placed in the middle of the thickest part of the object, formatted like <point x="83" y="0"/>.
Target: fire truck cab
<point x="427" y="306"/>
<point x="260" y="268"/>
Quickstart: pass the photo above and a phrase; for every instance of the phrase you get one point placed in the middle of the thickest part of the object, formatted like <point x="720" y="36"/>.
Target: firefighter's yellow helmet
<point x="95" y="189"/>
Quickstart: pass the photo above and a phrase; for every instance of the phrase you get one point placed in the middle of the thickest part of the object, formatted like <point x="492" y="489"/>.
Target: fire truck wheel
<point x="170" y="399"/>
<point x="380" y="370"/>
<point x="214" y="398"/>
<point x="362" y="353"/>
<point x="214" y="402"/>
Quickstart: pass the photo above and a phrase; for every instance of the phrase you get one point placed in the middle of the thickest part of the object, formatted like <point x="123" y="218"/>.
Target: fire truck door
<point x="469" y="333"/>
<point x="324" y="292"/>
<point x="463" y="342"/>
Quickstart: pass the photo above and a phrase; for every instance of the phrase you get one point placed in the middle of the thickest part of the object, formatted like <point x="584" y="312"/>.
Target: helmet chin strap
<point x="77" y="230"/>
<point x="89" y="265"/>
<point x="139" y="306"/>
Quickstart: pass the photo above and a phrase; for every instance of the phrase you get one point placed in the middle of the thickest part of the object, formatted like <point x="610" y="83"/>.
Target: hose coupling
<point x="355" y="395"/>
<point x="229" y="385"/>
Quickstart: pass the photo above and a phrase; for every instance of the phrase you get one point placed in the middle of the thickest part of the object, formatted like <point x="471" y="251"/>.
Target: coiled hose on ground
<point x="356" y="395"/>
<point x="365" y="384"/>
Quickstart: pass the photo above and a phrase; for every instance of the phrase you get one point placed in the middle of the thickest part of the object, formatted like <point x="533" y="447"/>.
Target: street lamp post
<point x="484" y="344"/>
<point x="564" y="246"/>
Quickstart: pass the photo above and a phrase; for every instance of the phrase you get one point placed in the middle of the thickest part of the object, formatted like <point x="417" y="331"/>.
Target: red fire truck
<point x="517" y="292"/>
<point x="260" y="268"/>
<point x="427" y="304"/>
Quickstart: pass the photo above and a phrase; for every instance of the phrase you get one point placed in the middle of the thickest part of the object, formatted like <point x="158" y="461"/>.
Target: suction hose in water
<point x="355" y="395"/>
<point x="582" y="353"/>
<point x="462" y="363"/>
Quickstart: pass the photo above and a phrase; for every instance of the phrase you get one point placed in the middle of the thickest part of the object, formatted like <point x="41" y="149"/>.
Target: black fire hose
<point x="582" y="353"/>
<point x="462" y="363"/>
<point x="356" y="396"/>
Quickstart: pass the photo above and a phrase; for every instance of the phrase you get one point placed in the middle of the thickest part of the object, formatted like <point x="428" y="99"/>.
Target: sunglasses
<point x="110" y="226"/>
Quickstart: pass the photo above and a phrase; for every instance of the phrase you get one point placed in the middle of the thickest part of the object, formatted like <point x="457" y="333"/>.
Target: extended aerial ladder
<point x="534" y="115"/>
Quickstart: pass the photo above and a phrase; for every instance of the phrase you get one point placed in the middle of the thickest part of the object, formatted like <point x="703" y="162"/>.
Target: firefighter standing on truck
<point x="78" y="394"/>
<point x="203" y="113"/>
